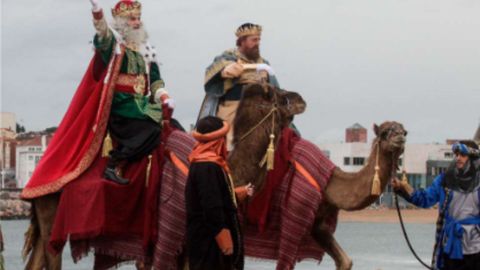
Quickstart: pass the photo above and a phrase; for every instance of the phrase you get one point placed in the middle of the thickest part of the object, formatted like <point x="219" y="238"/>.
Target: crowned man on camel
<point x="105" y="160"/>
<point x="226" y="77"/>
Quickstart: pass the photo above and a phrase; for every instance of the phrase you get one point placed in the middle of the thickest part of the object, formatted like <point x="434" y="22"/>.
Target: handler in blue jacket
<point x="457" y="242"/>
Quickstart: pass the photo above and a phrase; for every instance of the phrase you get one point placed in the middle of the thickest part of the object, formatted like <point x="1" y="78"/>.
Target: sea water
<point x="371" y="246"/>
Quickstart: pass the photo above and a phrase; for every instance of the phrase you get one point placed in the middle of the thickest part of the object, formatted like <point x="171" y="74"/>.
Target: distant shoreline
<point x="384" y="215"/>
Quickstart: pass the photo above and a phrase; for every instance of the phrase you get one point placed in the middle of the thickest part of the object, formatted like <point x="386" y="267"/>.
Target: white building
<point x="28" y="154"/>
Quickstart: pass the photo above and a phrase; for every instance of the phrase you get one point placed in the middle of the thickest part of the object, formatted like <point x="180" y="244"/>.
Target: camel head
<point x="260" y="100"/>
<point x="391" y="136"/>
<point x="261" y="108"/>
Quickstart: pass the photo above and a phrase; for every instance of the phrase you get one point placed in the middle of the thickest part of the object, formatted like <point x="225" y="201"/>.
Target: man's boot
<point x="111" y="174"/>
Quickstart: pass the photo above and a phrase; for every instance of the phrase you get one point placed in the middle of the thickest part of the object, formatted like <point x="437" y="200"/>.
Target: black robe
<point x="210" y="209"/>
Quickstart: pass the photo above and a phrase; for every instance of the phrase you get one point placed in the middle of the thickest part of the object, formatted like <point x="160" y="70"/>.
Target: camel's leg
<point x="37" y="258"/>
<point x="45" y="209"/>
<point x="326" y="240"/>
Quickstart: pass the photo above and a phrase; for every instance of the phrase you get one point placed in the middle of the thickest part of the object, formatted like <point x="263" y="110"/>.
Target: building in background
<point x="8" y="121"/>
<point x="28" y="153"/>
<point x="356" y="133"/>
<point x="7" y="149"/>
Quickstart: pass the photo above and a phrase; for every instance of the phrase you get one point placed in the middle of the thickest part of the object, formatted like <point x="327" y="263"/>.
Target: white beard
<point x="130" y="35"/>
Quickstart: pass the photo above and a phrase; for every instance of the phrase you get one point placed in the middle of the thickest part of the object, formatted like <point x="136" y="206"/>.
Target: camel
<point x="318" y="208"/>
<point x="346" y="191"/>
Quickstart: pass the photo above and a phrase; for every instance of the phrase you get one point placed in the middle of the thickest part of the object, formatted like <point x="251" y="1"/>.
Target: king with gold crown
<point x="135" y="120"/>
<point x="230" y="71"/>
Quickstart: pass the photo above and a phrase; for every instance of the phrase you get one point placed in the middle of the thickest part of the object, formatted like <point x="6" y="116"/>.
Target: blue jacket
<point x="452" y="230"/>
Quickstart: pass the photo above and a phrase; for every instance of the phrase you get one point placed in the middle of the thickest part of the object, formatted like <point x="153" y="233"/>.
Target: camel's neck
<point x="352" y="191"/>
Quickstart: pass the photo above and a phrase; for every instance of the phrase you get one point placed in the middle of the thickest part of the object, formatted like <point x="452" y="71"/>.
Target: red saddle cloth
<point x="94" y="210"/>
<point x="91" y="206"/>
<point x="258" y="207"/>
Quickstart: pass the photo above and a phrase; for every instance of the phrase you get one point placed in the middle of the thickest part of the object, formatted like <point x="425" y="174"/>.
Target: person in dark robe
<point x="214" y="239"/>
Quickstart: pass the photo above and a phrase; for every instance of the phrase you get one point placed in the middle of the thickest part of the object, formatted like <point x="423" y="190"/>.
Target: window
<point x="346" y="161"/>
<point x="30" y="157"/>
<point x="448" y="155"/>
<point x="37" y="159"/>
<point x="400" y="162"/>
<point x="358" y="161"/>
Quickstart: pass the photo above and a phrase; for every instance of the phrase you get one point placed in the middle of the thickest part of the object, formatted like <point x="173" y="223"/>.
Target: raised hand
<point x="170" y="103"/>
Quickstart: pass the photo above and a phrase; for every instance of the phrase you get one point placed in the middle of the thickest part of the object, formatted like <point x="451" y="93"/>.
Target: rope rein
<point x="402" y="225"/>
<point x="258" y="124"/>
<point x="405" y="235"/>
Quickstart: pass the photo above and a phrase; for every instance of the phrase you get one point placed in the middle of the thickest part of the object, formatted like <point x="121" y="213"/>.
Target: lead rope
<point x="402" y="225"/>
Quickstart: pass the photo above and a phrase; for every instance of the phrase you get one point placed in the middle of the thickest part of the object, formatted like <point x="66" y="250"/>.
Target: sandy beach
<point x="423" y="216"/>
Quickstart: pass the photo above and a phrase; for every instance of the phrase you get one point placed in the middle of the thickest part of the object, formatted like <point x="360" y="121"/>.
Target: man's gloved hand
<point x="402" y="187"/>
<point x="265" y="67"/>
<point x="233" y="70"/>
<point x="242" y="192"/>
<point x="95" y="5"/>
<point x="170" y="103"/>
<point x="160" y="95"/>
<point x="250" y="189"/>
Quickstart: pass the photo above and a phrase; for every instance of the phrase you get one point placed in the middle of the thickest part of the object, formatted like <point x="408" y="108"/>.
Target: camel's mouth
<point x="300" y="108"/>
<point x="398" y="143"/>
<point x="397" y="146"/>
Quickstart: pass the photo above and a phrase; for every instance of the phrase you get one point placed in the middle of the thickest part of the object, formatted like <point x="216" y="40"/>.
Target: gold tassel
<point x="107" y="145"/>
<point x="149" y="167"/>
<point x="376" y="183"/>
<point x="270" y="153"/>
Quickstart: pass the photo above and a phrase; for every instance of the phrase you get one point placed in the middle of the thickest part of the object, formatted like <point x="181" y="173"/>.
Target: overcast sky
<point x="413" y="61"/>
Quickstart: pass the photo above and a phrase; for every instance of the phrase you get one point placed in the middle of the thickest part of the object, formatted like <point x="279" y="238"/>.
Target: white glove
<point x="250" y="189"/>
<point x="95" y="6"/>
<point x="265" y="67"/>
<point x="158" y="94"/>
<point x="170" y="103"/>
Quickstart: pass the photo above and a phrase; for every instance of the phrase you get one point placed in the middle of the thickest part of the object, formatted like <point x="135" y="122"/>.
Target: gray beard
<point x="129" y="34"/>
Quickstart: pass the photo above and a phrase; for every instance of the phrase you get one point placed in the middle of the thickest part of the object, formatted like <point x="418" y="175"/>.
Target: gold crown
<point x="126" y="8"/>
<point x="248" y="31"/>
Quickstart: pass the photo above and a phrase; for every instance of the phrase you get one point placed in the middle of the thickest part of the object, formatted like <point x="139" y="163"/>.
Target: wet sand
<point x="422" y="216"/>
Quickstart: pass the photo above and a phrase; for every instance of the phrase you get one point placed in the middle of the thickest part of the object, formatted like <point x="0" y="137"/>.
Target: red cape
<point x="80" y="134"/>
